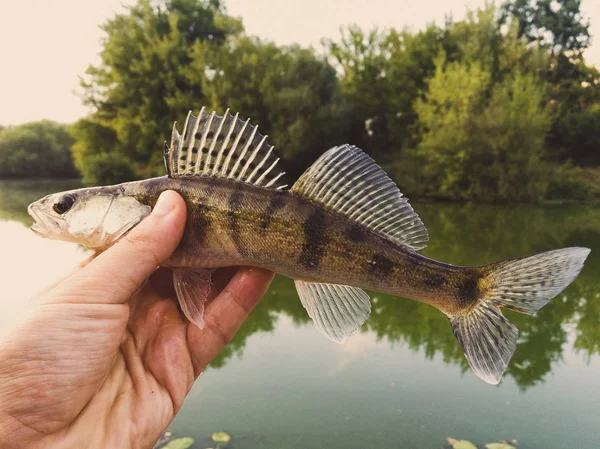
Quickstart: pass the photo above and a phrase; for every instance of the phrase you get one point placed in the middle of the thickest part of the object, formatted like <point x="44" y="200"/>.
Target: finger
<point x="226" y="313"/>
<point x="117" y="273"/>
<point x="159" y="285"/>
<point x="66" y="276"/>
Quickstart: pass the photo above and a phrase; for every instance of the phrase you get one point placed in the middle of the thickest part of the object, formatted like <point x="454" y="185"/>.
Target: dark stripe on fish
<point x="314" y="244"/>
<point x="276" y="203"/>
<point x="356" y="233"/>
<point x="200" y="224"/>
<point x="468" y="291"/>
<point x="380" y="266"/>
<point x="233" y="214"/>
<point x="434" y="281"/>
<point x="201" y="213"/>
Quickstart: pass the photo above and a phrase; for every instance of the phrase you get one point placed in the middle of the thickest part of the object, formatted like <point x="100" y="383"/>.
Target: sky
<point x="45" y="45"/>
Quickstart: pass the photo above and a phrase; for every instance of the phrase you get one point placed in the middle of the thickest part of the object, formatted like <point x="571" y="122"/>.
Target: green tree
<point x="36" y="150"/>
<point x="472" y="125"/>
<point x="575" y="97"/>
<point x="454" y="97"/>
<point x="359" y="58"/>
<point x="560" y="27"/>
<point x="410" y="62"/>
<point x="143" y="81"/>
<point x="290" y="92"/>
<point x="381" y="76"/>
<point x="476" y="145"/>
<point x="556" y="24"/>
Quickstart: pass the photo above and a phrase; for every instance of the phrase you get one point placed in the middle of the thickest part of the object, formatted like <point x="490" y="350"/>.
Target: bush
<point x="37" y="149"/>
<point x="574" y="183"/>
<point x="105" y="168"/>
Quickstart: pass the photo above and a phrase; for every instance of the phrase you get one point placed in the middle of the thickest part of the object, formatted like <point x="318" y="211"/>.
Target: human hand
<point x="97" y="365"/>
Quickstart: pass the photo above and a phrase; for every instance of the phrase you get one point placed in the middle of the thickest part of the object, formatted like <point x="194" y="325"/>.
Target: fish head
<point x="94" y="217"/>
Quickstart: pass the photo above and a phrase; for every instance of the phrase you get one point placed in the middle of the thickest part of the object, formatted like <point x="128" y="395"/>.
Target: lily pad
<point x="221" y="437"/>
<point x="461" y="444"/>
<point x="499" y="446"/>
<point x="179" y="443"/>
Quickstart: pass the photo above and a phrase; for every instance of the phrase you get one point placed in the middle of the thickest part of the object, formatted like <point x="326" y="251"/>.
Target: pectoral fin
<point x="192" y="288"/>
<point x="337" y="310"/>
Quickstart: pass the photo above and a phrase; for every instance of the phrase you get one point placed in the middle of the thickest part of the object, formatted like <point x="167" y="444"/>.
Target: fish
<point x="342" y="228"/>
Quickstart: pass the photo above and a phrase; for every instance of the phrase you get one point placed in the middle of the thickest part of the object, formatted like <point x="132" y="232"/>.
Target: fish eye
<point x="64" y="204"/>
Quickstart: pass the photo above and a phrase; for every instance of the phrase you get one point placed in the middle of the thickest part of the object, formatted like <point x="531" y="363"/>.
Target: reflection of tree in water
<point x="281" y="298"/>
<point x="473" y="235"/>
<point x="588" y="326"/>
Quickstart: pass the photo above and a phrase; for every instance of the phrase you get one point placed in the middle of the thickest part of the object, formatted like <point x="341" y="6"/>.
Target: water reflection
<point x="461" y="234"/>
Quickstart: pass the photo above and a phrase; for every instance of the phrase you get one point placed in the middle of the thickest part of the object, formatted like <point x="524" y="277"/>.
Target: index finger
<point x="226" y="313"/>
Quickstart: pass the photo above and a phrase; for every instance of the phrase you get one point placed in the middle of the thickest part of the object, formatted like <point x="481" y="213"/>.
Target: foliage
<point x="461" y="444"/>
<point x="36" y="150"/>
<point x="382" y="75"/>
<point x="475" y="147"/>
<point x="142" y="82"/>
<point x="288" y="91"/>
<point x="500" y="106"/>
<point x="465" y="444"/>
<point x="180" y="443"/>
<point x="107" y="168"/>
<point x="576" y="134"/>
<point x="559" y="26"/>
<point x="98" y="155"/>
<point x="556" y="24"/>
<point x="454" y="97"/>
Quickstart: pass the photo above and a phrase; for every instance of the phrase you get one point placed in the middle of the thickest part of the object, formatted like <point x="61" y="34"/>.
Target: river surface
<point x="402" y="382"/>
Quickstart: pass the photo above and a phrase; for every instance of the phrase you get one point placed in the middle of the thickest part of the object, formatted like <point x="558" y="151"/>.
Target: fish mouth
<point x="36" y="220"/>
<point x="42" y="221"/>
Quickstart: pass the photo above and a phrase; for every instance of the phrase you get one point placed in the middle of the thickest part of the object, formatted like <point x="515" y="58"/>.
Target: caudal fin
<point x="525" y="285"/>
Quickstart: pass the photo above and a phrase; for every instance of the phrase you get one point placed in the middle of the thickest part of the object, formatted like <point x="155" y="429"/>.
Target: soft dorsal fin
<point x="347" y="180"/>
<point x="226" y="147"/>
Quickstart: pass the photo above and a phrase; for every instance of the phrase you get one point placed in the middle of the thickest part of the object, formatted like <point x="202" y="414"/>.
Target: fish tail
<point x="525" y="285"/>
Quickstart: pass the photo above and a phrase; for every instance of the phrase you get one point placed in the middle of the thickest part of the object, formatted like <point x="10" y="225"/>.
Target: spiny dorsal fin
<point x="348" y="181"/>
<point x="226" y="147"/>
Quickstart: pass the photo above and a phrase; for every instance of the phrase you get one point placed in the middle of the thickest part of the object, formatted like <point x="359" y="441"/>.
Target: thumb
<point x="116" y="274"/>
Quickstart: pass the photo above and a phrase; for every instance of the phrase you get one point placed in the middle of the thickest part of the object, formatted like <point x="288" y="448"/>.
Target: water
<point x="403" y="381"/>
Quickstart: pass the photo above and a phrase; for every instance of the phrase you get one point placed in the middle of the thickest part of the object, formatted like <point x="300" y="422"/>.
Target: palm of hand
<point x="123" y="367"/>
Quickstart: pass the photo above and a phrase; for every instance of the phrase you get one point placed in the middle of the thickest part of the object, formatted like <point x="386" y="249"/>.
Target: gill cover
<point x="95" y="218"/>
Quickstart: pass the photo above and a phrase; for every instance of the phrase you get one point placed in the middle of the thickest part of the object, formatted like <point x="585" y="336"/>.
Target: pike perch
<point x="342" y="227"/>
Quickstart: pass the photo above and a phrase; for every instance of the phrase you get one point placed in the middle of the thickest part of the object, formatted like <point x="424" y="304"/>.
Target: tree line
<point x="500" y="106"/>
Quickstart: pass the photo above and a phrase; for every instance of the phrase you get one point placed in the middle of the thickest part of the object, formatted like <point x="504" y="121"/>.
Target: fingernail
<point x="163" y="206"/>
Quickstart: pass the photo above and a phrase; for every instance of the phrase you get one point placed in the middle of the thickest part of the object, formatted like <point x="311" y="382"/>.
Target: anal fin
<point x="193" y="289"/>
<point x="337" y="310"/>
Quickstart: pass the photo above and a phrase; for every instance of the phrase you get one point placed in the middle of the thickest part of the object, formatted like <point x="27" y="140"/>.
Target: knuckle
<point x="211" y="323"/>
